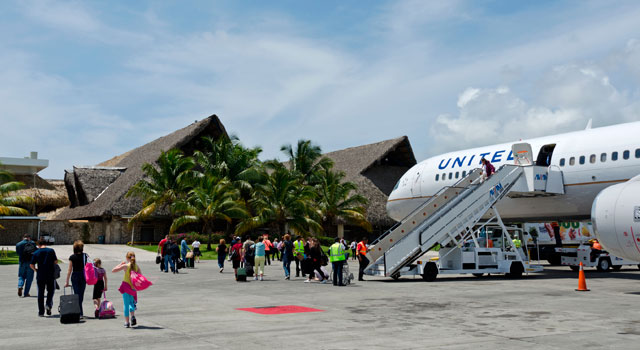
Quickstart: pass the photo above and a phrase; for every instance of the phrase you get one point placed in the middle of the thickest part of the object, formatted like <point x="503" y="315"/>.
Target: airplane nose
<point x="393" y="209"/>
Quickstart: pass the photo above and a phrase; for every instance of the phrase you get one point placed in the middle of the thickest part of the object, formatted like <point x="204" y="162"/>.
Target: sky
<point x="83" y="81"/>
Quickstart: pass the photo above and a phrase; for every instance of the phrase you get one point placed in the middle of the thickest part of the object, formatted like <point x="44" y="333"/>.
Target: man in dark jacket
<point x="175" y="256"/>
<point x="166" y="256"/>
<point x="46" y="260"/>
<point x="25" y="250"/>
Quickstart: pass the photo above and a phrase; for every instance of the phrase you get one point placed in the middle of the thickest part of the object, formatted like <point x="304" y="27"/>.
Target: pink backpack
<point x="139" y="281"/>
<point x="90" y="272"/>
<point x="106" y="309"/>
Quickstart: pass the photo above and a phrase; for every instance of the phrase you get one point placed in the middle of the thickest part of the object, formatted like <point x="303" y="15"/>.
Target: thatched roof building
<point x="375" y="169"/>
<point x="48" y="195"/>
<point x="99" y="192"/>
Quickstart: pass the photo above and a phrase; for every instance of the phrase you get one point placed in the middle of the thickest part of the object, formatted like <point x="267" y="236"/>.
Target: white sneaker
<point x="324" y="281"/>
<point x="262" y="279"/>
<point x="307" y="281"/>
<point x="255" y="278"/>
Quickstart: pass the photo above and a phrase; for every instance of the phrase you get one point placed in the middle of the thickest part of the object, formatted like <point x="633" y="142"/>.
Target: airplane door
<point x="522" y="153"/>
<point x="416" y="186"/>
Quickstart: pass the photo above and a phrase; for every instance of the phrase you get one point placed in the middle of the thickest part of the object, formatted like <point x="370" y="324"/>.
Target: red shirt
<point x="161" y="245"/>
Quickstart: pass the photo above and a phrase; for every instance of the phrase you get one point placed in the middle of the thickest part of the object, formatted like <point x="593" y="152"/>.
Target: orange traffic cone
<point x="582" y="282"/>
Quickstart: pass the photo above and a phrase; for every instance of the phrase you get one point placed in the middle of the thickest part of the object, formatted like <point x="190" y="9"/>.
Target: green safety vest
<point x="299" y="247"/>
<point x="336" y="253"/>
<point x="517" y="243"/>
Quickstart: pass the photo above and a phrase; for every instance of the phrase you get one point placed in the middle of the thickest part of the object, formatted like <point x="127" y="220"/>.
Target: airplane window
<point x="464" y="173"/>
<point x="603" y="157"/>
<point x="614" y="156"/>
<point x="457" y="174"/>
<point x="625" y="154"/>
<point x="562" y="162"/>
<point x="581" y="159"/>
<point x="592" y="158"/>
<point x="444" y="176"/>
<point x="437" y="177"/>
<point x="450" y="176"/>
<point x="572" y="161"/>
<point x="637" y="152"/>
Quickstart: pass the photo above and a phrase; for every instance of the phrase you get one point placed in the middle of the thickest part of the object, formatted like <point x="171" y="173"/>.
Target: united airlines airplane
<point x="600" y="168"/>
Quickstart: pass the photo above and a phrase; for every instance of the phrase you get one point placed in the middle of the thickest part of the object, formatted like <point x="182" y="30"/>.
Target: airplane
<point x="601" y="173"/>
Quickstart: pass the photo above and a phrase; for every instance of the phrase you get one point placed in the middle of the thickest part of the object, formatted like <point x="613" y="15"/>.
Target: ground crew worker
<point x="596" y="250"/>
<point x="517" y="243"/>
<point x="337" y="258"/>
<point x="298" y="251"/>
<point x="361" y="251"/>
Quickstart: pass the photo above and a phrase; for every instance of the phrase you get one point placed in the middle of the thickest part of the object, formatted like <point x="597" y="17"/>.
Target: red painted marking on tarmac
<point x="278" y="310"/>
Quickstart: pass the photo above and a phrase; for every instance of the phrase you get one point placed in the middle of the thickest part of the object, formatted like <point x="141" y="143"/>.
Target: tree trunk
<point x="208" y="231"/>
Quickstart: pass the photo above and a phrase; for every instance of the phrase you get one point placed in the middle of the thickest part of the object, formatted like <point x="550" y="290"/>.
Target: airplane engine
<point x="616" y="219"/>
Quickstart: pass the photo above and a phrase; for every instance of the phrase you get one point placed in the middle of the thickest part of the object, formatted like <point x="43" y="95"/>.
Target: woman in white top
<point x="196" y="250"/>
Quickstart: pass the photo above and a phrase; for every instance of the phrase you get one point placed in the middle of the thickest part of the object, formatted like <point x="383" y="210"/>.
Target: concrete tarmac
<point x="196" y="309"/>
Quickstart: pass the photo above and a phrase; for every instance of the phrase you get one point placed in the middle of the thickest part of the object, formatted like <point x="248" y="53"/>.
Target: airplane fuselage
<point x="590" y="160"/>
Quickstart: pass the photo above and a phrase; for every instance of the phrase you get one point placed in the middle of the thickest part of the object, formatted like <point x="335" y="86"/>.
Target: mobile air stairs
<point x="451" y="218"/>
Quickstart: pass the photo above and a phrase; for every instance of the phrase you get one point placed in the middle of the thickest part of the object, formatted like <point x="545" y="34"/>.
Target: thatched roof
<point x="109" y="200"/>
<point x="47" y="194"/>
<point x="375" y="169"/>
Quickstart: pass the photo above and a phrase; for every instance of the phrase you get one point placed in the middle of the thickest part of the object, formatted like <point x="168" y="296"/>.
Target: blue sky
<point x="81" y="82"/>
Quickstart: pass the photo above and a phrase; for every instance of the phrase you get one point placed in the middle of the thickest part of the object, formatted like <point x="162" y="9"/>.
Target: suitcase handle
<point x="64" y="290"/>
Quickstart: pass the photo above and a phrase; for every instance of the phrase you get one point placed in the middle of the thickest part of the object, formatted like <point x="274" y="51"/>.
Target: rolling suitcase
<point x="69" y="308"/>
<point x="242" y="275"/>
<point x="347" y="277"/>
<point x="249" y="270"/>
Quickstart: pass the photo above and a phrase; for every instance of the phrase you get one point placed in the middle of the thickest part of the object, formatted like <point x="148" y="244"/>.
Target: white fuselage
<point x="590" y="160"/>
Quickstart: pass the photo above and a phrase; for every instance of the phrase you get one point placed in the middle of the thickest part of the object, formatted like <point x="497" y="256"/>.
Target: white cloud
<point x="569" y="96"/>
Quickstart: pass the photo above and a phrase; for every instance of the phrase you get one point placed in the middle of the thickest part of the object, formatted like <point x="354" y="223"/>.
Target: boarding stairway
<point x="454" y="211"/>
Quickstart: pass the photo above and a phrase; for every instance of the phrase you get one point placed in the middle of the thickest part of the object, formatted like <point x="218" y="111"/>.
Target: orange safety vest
<point x="362" y="249"/>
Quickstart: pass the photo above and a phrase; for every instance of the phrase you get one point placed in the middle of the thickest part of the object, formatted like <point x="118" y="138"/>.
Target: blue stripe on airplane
<point x="460" y="161"/>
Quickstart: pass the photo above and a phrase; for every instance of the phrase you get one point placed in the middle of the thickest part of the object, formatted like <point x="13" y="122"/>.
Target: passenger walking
<point x="161" y="244"/>
<point x="337" y="258"/>
<point x="129" y="294"/>
<point x="100" y="286"/>
<point x="175" y="256"/>
<point x="362" y="250"/>
<point x="46" y="260"/>
<point x="276" y="250"/>
<point x="298" y="249"/>
<point x="354" y="244"/>
<point x="488" y="168"/>
<point x="76" y="271"/>
<point x="268" y="247"/>
<point x="184" y="248"/>
<point x="315" y="261"/>
<point x="196" y="250"/>
<point x="25" y="249"/>
<point x="248" y="251"/>
<point x="236" y="255"/>
<point x="260" y="256"/>
<point x="221" y="249"/>
<point x="287" y="256"/>
<point x="166" y="255"/>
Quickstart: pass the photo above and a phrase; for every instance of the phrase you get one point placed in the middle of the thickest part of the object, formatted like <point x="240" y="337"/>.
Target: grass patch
<point x="11" y="259"/>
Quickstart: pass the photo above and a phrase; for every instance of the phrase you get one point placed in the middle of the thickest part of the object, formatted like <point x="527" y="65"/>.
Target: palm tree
<point x="227" y="157"/>
<point x="11" y="205"/>
<point x="164" y="183"/>
<point x="336" y="201"/>
<point x="283" y="200"/>
<point x="214" y="199"/>
<point x="306" y="159"/>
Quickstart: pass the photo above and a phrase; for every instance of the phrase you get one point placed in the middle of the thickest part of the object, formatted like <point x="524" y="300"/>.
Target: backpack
<point x="106" y="309"/>
<point x="139" y="281"/>
<point x="90" y="272"/>
<point x="27" y="252"/>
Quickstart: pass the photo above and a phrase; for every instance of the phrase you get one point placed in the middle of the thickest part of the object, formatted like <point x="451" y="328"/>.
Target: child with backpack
<point x="100" y="286"/>
<point x="129" y="293"/>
